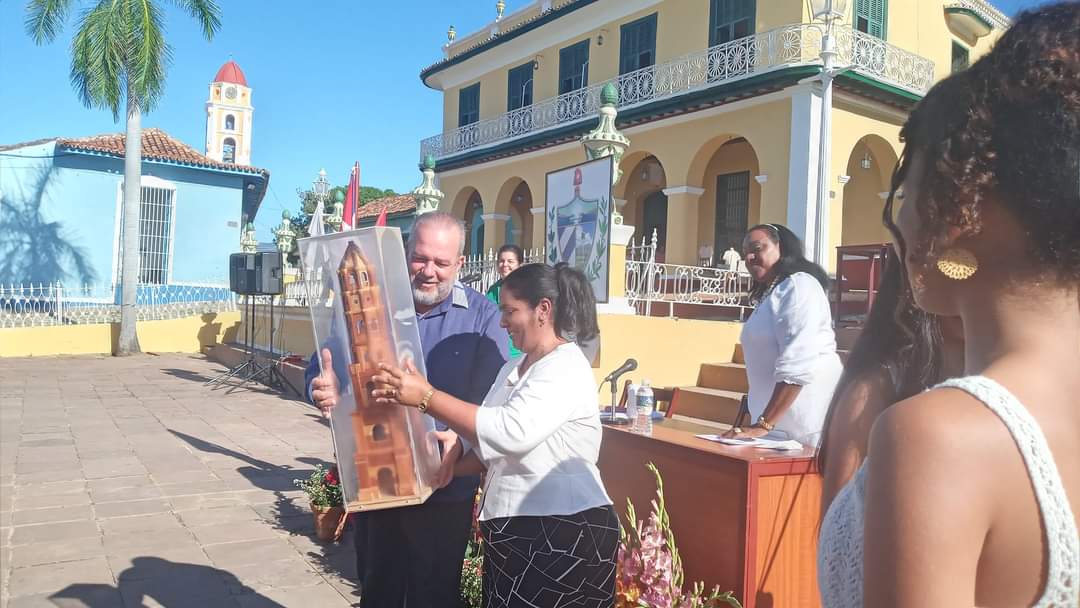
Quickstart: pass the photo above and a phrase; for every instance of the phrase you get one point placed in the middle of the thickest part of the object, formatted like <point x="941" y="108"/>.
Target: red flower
<point x="331" y="477"/>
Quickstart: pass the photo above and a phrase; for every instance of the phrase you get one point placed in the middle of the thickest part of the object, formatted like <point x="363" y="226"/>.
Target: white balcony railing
<point x="984" y="10"/>
<point x="789" y="46"/>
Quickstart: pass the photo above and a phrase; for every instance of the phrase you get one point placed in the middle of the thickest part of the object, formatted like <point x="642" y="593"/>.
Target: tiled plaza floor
<point x="124" y="482"/>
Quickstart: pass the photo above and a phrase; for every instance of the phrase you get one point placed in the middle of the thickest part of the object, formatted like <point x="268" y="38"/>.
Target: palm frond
<point x="206" y="12"/>
<point x="152" y="55"/>
<point x="99" y="53"/>
<point x="45" y="19"/>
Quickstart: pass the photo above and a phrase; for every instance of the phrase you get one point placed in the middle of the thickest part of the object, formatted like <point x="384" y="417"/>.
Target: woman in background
<point x="509" y="259"/>
<point x="788" y="341"/>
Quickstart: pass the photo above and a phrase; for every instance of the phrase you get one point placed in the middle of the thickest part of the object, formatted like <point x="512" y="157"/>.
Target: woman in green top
<point x="508" y="260"/>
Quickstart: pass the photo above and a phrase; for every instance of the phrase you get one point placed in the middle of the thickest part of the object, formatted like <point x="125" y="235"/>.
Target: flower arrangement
<point x="649" y="569"/>
<point x="323" y="487"/>
<point x="473" y="568"/>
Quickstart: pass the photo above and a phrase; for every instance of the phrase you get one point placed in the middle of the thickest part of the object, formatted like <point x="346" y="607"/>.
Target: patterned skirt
<point x="552" y="561"/>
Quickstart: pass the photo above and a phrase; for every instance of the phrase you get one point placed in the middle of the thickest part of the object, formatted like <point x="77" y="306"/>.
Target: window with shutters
<point x="961" y="57"/>
<point x="871" y="17"/>
<point x="519" y="88"/>
<point x="730" y="20"/>
<point x="156" y="210"/>
<point x="637" y="44"/>
<point x="469" y="105"/>
<point x="574" y="67"/>
<point x="732" y="209"/>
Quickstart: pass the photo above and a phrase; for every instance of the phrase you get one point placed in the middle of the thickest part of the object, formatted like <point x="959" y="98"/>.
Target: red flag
<point x="381" y="220"/>
<point x="352" y="198"/>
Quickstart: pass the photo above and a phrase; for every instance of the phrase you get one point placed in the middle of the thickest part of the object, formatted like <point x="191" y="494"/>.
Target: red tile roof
<point x="156" y="145"/>
<point x="401" y="203"/>
<point x="231" y="72"/>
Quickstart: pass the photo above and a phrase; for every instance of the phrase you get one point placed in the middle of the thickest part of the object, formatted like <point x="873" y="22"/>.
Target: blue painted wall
<point x="70" y="201"/>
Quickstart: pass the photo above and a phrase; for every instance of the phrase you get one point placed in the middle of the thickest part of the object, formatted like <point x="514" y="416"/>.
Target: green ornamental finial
<point x="339" y="196"/>
<point x="429" y="161"/>
<point x="285" y="215"/>
<point x="609" y="95"/>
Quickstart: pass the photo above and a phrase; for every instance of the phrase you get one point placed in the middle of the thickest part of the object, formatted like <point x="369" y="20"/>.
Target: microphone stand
<point x="614" y="390"/>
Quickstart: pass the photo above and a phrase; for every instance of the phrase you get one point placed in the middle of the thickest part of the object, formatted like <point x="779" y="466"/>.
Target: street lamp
<point x="321" y="184"/>
<point x="829" y="12"/>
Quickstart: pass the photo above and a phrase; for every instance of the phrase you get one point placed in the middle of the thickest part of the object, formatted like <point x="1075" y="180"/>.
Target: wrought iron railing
<point x="985" y="10"/>
<point x="650" y="283"/>
<point x="40" y="304"/>
<point x="788" y="46"/>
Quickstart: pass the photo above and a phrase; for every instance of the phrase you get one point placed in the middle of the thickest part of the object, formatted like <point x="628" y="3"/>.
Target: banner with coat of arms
<point x="578" y="216"/>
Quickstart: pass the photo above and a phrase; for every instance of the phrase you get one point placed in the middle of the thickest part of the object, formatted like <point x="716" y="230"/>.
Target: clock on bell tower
<point x="228" y="116"/>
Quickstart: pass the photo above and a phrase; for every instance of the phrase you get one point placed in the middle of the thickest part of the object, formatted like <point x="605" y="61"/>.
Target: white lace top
<point x="840" y="548"/>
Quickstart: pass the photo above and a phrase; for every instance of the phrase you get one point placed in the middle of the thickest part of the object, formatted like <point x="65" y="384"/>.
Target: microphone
<point x="629" y="366"/>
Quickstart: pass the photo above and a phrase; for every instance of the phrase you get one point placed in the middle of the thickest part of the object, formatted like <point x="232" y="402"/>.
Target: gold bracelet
<point x="765" y="424"/>
<point x="425" y="401"/>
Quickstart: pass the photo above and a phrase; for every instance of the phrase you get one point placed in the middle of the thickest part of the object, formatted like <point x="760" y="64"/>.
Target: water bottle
<point x="631" y="412"/>
<point x="646" y="403"/>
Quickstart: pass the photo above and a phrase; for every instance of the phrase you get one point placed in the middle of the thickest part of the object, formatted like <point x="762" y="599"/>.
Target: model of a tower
<point x="384" y="460"/>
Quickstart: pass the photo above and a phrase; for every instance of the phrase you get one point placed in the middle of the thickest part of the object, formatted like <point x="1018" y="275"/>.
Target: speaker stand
<point x="251" y="370"/>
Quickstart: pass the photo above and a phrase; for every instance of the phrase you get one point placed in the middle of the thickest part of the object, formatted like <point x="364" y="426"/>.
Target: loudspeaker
<point x="256" y="274"/>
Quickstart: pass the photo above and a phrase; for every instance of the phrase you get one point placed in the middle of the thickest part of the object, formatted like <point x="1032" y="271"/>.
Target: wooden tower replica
<point x="384" y="460"/>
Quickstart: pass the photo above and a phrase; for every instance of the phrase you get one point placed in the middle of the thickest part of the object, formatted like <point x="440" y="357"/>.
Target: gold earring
<point x="957" y="263"/>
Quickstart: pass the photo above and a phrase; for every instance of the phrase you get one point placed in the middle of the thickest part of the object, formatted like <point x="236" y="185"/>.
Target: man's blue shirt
<point x="464" y="349"/>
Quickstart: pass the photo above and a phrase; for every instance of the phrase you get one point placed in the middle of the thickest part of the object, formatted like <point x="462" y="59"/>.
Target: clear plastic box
<point x="361" y="305"/>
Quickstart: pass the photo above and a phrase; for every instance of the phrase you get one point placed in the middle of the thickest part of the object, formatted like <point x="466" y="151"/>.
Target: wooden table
<point x="745" y="519"/>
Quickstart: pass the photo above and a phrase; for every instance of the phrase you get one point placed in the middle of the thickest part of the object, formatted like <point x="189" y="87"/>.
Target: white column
<point x="803" y="166"/>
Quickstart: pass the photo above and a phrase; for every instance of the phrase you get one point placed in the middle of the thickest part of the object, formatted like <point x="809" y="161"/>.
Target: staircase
<point x="718" y="393"/>
<point x="721" y="387"/>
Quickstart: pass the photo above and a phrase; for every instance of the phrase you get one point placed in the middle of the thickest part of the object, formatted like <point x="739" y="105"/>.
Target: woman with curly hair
<point x="965" y="494"/>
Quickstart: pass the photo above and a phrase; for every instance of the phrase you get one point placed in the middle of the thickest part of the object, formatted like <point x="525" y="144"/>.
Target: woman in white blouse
<point x="550" y="530"/>
<point x="788" y="341"/>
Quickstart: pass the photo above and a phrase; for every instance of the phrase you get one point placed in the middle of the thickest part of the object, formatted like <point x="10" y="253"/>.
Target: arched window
<point x="228" y="151"/>
<point x="230" y="122"/>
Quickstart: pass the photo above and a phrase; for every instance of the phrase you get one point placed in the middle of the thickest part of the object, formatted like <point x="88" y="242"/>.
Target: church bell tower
<point x="228" y="116"/>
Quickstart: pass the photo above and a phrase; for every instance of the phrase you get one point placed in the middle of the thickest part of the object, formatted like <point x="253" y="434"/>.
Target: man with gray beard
<point x="414" y="554"/>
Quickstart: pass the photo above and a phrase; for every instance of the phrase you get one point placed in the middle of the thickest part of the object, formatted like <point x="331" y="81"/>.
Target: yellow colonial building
<point x="721" y="101"/>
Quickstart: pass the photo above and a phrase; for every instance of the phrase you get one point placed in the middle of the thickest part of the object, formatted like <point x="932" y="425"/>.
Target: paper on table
<point x="758" y="442"/>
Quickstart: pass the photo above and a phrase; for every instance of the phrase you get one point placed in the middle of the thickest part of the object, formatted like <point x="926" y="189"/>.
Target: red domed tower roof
<point x="231" y="72"/>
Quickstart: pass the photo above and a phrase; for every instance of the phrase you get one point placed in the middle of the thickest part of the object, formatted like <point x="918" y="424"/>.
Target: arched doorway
<point x="519" y="228"/>
<point x="869" y="172"/>
<point x="726" y="166"/>
<point x="642" y="187"/>
<point x="474" y="225"/>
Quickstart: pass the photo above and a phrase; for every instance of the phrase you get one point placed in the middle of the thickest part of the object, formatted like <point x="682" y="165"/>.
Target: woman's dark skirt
<point x="551" y="561"/>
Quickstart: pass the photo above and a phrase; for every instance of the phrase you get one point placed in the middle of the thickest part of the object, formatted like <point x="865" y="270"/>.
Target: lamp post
<point x="321" y="186"/>
<point x="829" y="11"/>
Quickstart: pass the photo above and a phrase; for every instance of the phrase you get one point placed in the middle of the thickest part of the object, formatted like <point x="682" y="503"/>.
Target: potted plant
<point x="323" y="489"/>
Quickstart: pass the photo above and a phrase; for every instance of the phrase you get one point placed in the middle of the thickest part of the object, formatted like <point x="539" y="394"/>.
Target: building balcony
<point x="767" y="52"/>
<point x="975" y="18"/>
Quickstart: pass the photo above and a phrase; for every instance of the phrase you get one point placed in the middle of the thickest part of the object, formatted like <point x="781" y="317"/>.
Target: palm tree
<point x="118" y="59"/>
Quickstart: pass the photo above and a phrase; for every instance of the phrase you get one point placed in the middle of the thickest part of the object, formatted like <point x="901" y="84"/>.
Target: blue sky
<point x="333" y="81"/>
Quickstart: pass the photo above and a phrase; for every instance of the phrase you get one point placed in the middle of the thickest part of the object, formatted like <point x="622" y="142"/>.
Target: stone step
<point x="724" y="376"/>
<point x="707" y="403"/>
